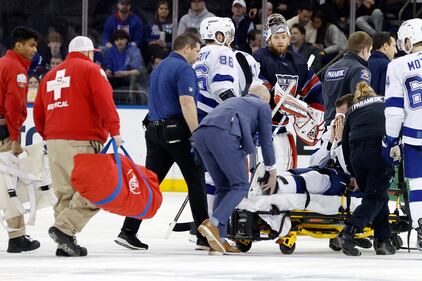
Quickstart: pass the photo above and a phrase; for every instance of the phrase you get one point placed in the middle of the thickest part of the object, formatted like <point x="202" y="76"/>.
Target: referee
<point x="171" y="119"/>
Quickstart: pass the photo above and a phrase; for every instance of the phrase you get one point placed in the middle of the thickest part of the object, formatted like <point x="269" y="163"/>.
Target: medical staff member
<point x="171" y="119"/>
<point x="223" y="139"/>
<point x="363" y="154"/>
<point x="75" y="113"/>
<point x="13" y="90"/>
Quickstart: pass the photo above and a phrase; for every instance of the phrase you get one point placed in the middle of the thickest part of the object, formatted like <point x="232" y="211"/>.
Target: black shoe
<point x="384" y="247"/>
<point x="22" y="244"/>
<point x="65" y="242"/>
<point x="346" y="241"/>
<point x="130" y="241"/>
<point x="334" y="245"/>
<point x="202" y="245"/>
<point x="364" y="243"/>
<point x="61" y="253"/>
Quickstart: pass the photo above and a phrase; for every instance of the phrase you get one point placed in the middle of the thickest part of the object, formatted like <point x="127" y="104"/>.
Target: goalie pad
<point x="310" y="128"/>
<point x="25" y="183"/>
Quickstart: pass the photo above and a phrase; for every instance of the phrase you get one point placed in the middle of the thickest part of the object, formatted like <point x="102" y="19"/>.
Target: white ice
<point x="176" y="259"/>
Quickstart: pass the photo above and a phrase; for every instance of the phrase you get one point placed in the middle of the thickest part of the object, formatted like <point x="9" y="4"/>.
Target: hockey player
<point x="282" y="67"/>
<point x="216" y="66"/>
<point x="403" y="113"/>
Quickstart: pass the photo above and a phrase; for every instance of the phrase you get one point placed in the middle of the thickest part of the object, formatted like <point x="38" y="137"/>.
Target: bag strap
<point x="119" y="184"/>
<point x="148" y="205"/>
<point x="119" y="173"/>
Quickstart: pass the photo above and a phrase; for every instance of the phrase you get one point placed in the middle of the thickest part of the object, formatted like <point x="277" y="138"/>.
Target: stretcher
<point x="284" y="217"/>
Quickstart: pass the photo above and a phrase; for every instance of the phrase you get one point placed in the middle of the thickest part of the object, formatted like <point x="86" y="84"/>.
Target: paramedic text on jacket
<point x="75" y="113"/>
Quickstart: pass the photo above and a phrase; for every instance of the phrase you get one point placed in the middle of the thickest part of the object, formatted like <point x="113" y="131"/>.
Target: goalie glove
<point x="311" y="127"/>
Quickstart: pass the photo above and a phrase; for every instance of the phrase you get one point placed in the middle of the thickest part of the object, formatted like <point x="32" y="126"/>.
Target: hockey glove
<point x="391" y="150"/>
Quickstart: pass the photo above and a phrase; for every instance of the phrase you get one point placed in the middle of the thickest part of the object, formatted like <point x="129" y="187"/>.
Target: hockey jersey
<point x="254" y="67"/>
<point x="282" y="70"/>
<point x="403" y="96"/>
<point x="216" y="71"/>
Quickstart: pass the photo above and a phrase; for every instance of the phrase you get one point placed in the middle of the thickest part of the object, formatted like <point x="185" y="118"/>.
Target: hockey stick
<point x="179" y="213"/>
<point x="401" y="183"/>
<point x="244" y="65"/>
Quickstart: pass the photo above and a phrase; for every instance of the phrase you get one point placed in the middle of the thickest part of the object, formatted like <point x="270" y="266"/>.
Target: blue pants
<point x="224" y="159"/>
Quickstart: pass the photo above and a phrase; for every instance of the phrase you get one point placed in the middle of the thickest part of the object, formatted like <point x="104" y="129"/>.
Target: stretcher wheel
<point x="334" y="245"/>
<point x="244" y="245"/>
<point x="286" y="249"/>
<point x="396" y="241"/>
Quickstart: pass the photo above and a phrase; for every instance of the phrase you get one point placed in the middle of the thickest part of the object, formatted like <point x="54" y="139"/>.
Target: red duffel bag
<point x="116" y="184"/>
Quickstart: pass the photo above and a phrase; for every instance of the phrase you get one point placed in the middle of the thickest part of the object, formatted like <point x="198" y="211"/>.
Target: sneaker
<point x="130" y="241"/>
<point x="202" y="244"/>
<point x="65" y="242"/>
<point x="230" y="250"/>
<point x="346" y="241"/>
<point x="22" y="244"/>
<point x="334" y="245"/>
<point x="211" y="232"/>
<point x="384" y="247"/>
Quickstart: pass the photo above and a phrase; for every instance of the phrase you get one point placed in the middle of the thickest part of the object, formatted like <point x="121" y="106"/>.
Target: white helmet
<point x="411" y="29"/>
<point x="275" y="23"/>
<point x="211" y="26"/>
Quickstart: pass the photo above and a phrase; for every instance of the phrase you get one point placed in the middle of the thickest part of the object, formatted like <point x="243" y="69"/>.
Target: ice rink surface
<point x="176" y="259"/>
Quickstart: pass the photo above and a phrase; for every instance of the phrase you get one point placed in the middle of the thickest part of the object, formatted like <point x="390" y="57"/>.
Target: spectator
<point x="197" y="12"/>
<point x="159" y="33"/>
<point x="242" y="23"/>
<point x="33" y="84"/>
<point x="156" y="59"/>
<point x="330" y="39"/>
<point x="55" y="61"/>
<point x="298" y="45"/>
<point x="304" y="17"/>
<point x="122" y="61"/>
<point x="368" y="17"/>
<point x="384" y="49"/>
<point x="126" y="20"/>
<point x="54" y="48"/>
<point x="37" y="66"/>
<point x="254" y="42"/>
<point x="256" y="14"/>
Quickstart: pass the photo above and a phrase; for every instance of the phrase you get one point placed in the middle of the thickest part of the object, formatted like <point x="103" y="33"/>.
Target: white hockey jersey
<point x="255" y="68"/>
<point x="217" y="71"/>
<point x="403" y="96"/>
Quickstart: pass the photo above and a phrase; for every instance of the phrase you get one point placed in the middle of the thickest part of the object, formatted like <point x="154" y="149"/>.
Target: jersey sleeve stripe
<point x="412" y="133"/>
<point x="207" y="101"/>
<point x="221" y="78"/>
<point x="395" y="102"/>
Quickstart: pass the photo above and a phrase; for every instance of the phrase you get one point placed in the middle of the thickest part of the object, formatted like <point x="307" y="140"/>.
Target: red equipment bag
<point x="116" y="184"/>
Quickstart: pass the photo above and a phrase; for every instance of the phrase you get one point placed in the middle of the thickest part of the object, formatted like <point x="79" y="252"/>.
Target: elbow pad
<point x="227" y="94"/>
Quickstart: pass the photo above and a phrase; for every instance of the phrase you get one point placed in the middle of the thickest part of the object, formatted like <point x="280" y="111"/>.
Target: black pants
<point x="373" y="175"/>
<point x="160" y="157"/>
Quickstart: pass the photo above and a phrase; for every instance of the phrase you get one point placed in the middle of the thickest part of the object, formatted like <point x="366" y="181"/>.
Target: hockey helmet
<point x="275" y="23"/>
<point x="211" y="26"/>
<point x="411" y="29"/>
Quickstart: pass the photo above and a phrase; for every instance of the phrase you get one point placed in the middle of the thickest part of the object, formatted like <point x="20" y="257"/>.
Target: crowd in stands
<point x="132" y="45"/>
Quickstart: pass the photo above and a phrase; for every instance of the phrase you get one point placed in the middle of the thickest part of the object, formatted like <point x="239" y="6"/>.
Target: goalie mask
<point x="412" y="30"/>
<point x="212" y="26"/>
<point x="275" y="23"/>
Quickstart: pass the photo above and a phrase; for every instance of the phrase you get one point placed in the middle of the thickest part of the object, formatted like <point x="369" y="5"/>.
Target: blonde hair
<point x="363" y="91"/>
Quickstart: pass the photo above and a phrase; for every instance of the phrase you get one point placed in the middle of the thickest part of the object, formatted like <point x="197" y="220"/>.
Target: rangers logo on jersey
<point x="285" y="80"/>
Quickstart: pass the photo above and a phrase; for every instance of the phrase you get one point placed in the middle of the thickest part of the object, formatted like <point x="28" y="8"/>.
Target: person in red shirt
<point x="13" y="90"/>
<point x="74" y="112"/>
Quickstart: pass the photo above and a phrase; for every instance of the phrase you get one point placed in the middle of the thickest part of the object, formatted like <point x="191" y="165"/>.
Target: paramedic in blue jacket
<point x="384" y="49"/>
<point x="223" y="139"/>
<point x="171" y="118"/>
<point x="124" y="19"/>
